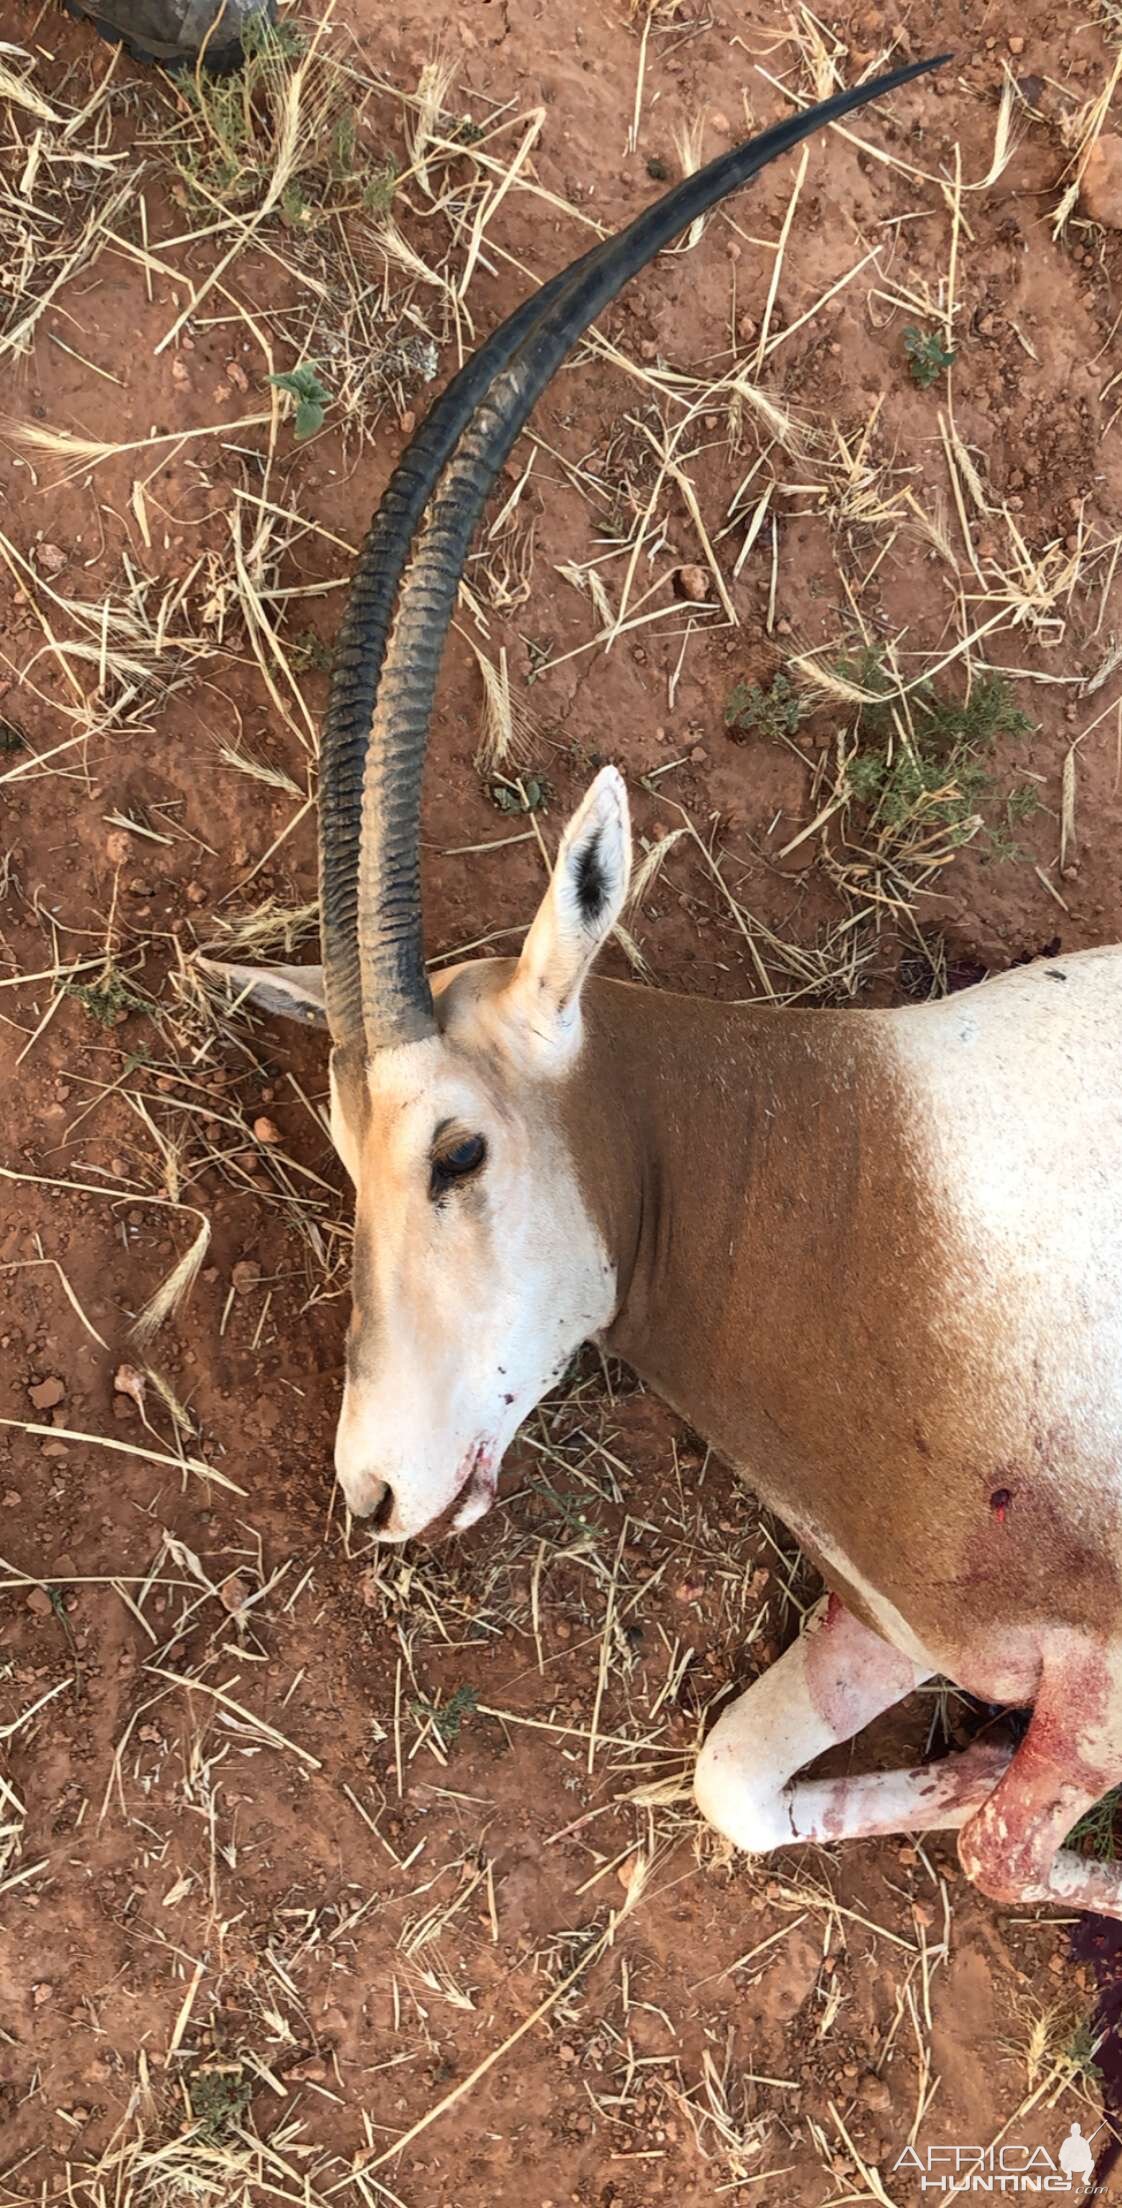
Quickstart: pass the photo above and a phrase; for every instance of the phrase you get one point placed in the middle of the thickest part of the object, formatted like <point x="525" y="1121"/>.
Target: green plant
<point x="1096" y="1833"/>
<point x="378" y="190"/>
<point x="307" y="649"/>
<point x="229" y="140"/>
<point x="106" y="999"/>
<point x="927" y="355"/>
<point x="220" y="2094"/>
<point x="774" y="712"/>
<point x="937" y="774"/>
<point x="529" y="794"/>
<point x="273" y="132"/>
<point x="311" y="396"/>
<point x="1078" y="2057"/>
<point x="446" y="1718"/>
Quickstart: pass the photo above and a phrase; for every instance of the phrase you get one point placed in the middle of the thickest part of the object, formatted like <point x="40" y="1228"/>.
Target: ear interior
<point x="286" y="992"/>
<point x="580" y="908"/>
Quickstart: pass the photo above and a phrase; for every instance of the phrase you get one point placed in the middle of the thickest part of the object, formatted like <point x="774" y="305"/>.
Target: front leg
<point x="832" y="1682"/>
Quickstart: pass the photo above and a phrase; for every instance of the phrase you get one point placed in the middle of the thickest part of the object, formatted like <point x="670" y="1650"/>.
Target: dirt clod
<point x="692" y="582"/>
<point x="46" y="1395"/>
<point x="1102" y="182"/>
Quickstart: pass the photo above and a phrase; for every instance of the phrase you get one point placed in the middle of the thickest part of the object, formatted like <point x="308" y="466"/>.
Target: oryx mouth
<point x="476" y="1491"/>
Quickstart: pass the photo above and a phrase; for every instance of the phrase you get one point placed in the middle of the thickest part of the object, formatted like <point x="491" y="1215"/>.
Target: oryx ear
<point x="579" y="910"/>
<point x="291" y="992"/>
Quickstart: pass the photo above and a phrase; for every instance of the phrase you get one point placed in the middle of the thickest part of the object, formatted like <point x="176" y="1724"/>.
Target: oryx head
<point x="478" y="1263"/>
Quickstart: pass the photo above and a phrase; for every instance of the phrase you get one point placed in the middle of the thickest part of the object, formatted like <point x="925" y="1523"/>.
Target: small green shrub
<point x="750" y="710"/>
<point x="311" y="396"/>
<point x="927" y="356"/>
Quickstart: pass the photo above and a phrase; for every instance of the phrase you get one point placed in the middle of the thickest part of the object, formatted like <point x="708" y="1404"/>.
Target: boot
<point x="173" y="32"/>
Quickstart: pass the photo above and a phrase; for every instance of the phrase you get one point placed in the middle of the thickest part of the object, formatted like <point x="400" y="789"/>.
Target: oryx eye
<point x="456" y="1160"/>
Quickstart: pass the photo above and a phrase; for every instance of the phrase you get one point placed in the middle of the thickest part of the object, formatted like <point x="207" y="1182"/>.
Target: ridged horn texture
<point x="392" y="638"/>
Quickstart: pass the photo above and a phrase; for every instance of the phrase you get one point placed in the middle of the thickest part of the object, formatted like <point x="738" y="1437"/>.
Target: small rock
<point x="266" y="1130"/>
<point x="310" y="2072"/>
<point x="567" y="2053"/>
<point x="245" y="1276"/>
<point x="128" y="1381"/>
<point x="48" y="558"/>
<point x="42" y="1993"/>
<point x="237" y="375"/>
<point x="196" y="894"/>
<point x="118" y="847"/>
<point x="180" y="373"/>
<point x="1102" y="182"/>
<point x="692" y="582"/>
<point x="235" y="1593"/>
<point x="46" y="1394"/>
<point x="1015" y="43"/>
<point x="39" y="1603"/>
<point x="629" y="1869"/>
<point x="408" y="422"/>
<point x="874" y="2092"/>
<point x="12" y="1498"/>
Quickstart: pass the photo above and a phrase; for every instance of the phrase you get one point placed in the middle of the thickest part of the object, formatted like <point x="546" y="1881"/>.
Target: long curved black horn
<point x="382" y="692"/>
<point x="360" y="648"/>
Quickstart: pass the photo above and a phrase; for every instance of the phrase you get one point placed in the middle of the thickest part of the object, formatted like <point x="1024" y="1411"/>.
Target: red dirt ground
<point x="197" y="1899"/>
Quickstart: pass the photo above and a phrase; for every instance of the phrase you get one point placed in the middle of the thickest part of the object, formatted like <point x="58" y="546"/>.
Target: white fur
<point x="477" y="1303"/>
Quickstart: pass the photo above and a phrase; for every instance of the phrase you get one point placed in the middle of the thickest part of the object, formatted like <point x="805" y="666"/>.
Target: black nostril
<point x="383" y="1510"/>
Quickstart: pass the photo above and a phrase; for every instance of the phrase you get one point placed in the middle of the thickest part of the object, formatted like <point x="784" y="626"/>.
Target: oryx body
<point x="874" y="1257"/>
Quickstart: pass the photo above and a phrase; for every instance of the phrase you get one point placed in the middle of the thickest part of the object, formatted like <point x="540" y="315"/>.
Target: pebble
<point x="874" y="2092"/>
<point x="692" y="582"/>
<point x="42" y="1993"/>
<point x="45" y="1394"/>
<point x="48" y="559"/>
<point x="1102" y="182"/>
<point x="12" y="1498"/>
<point x="39" y="1602"/>
<point x="128" y="1381"/>
<point x="245" y="1276"/>
<point x="311" y="2071"/>
<point x="266" y="1130"/>
<point x="118" y="847"/>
